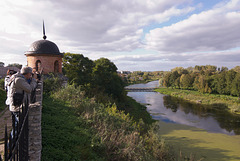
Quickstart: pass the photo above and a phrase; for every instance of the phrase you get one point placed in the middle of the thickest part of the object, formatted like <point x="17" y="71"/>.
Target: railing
<point x="146" y="89"/>
<point x="16" y="143"/>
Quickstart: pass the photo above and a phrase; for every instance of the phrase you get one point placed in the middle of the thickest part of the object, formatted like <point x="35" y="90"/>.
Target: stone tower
<point x="44" y="56"/>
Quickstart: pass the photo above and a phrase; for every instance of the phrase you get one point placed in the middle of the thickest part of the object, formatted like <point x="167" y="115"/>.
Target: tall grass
<point x="119" y="137"/>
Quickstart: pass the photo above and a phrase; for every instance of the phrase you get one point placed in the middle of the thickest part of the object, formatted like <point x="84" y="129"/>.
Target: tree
<point x="177" y="82"/>
<point x="207" y="89"/>
<point x="236" y="85"/>
<point x="19" y="66"/>
<point x="78" y="68"/>
<point x="186" y="81"/>
<point x="173" y="78"/>
<point x="166" y="80"/>
<point x="230" y="75"/>
<point x="224" y="69"/>
<point x="2" y="64"/>
<point x="221" y="83"/>
<point x="161" y="82"/>
<point x="199" y="83"/>
<point x="105" y="78"/>
<point x="237" y="69"/>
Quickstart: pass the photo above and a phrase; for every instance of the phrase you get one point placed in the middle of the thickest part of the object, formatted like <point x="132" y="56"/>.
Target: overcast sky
<point x="145" y="35"/>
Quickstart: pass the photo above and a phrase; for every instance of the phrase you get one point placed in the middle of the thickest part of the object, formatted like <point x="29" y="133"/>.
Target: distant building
<point x="44" y="56"/>
<point x="3" y="71"/>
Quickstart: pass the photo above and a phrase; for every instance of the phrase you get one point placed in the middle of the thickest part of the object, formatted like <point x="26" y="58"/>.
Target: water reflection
<point x="175" y="110"/>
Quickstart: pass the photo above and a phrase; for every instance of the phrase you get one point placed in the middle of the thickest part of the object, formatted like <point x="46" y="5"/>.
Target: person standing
<point x="20" y="86"/>
<point x="7" y="78"/>
<point x="20" y="83"/>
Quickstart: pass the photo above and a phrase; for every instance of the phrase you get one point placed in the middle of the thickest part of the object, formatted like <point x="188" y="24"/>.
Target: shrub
<point x="52" y="83"/>
<point x="2" y="83"/>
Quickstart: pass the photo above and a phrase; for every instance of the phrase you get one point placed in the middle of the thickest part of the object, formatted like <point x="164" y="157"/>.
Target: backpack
<point x="18" y="98"/>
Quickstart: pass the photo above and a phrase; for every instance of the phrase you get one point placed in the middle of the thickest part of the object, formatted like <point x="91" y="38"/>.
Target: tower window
<point x="56" y="67"/>
<point x="38" y="65"/>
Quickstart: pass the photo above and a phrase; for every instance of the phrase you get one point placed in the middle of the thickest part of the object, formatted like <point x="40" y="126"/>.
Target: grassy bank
<point x="77" y="128"/>
<point x="3" y="97"/>
<point x="137" y="111"/>
<point x="231" y="102"/>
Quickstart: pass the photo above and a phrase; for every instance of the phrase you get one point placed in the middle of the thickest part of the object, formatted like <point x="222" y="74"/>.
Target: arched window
<point x="56" y="67"/>
<point x="38" y="65"/>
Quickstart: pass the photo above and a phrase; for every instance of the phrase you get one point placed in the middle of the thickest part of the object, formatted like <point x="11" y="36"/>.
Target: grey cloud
<point x="103" y="25"/>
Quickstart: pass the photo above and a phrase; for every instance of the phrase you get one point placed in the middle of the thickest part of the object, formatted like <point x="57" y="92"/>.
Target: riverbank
<point x="230" y="102"/>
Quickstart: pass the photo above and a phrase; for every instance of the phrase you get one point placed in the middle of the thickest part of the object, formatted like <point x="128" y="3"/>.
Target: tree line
<point x="205" y="79"/>
<point x="2" y="64"/>
<point x="141" y="76"/>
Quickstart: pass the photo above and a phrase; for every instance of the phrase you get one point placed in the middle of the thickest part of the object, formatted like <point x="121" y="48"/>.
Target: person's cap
<point x="26" y="70"/>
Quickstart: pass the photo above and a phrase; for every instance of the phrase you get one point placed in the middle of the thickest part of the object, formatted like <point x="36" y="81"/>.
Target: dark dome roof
<point x="43" y="47"/>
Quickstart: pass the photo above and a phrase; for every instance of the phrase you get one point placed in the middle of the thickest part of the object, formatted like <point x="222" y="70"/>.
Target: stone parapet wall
<point x="34" y="119"/>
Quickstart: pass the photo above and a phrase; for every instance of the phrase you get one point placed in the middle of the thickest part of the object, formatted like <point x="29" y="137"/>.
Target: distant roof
<point x="43" y="47"/>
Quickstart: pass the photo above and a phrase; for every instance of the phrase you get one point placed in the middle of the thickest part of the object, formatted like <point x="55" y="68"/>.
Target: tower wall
<point x="47" y="62"/>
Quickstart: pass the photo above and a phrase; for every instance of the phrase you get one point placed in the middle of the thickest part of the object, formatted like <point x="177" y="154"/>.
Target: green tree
<point x="166" y="80"/>
<point x="199" y="83"/>
<point x="221" y="83"/>
<point x="230" y="75"/>
<point x="177" y="82"/>
<point x="161" y="82"/>
<point x="224" y="69"/>
<point x="236" y="85"/>
<point x="78" y="68"/>
<point x="186" y="81"/>
<point x="173" y="78"/>
<point x="207" y="88"/>
<point x="106" y="79"/>
<point x="237" y="69"/>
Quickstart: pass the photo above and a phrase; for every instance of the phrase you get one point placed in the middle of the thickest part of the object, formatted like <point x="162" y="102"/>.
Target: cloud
<point x="88" y="23"/>
<point x="114" y="28"/>
<point x="112" y="25"/>
<point x="211" y="30"/>
<point x="82" y="26"/>
<point x="168" y="61"/>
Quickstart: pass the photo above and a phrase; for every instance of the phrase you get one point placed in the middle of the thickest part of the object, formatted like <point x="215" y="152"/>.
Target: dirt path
<point x="5" y="119"/>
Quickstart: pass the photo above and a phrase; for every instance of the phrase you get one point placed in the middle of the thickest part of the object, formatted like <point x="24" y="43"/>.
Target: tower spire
<point x="44" y="36"/>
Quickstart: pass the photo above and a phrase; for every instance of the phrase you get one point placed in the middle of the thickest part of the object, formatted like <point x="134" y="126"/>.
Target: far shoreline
<point x="231" y="102"/>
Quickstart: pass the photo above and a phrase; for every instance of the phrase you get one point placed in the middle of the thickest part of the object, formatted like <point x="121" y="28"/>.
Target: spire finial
<point x="44" y="36"/>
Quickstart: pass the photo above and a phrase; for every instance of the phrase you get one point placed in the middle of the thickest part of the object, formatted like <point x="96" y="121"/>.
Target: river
<point x="174" y="110"/>
<point x="207" y="133"/>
